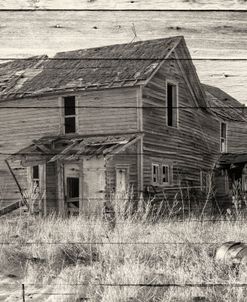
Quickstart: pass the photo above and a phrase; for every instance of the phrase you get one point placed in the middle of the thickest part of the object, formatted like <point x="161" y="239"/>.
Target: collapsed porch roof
<point x="232" y="158"/>
<point x="73" y="148"/>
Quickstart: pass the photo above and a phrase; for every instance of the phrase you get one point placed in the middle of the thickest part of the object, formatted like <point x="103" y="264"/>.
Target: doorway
<point x="122" y="179"/>
<point x="73" y="194"/>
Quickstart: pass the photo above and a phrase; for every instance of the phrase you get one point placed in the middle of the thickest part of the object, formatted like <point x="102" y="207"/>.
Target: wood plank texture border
<point x="125" y="4"/>
<point x="218" y="35"/>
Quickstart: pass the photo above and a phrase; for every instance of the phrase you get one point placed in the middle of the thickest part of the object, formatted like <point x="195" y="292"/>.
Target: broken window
<point x="69" y="114"/>
<point x="161" y="174"/>
<point x="36" y="175"/>
<point x="35" y="178"/>
<point x="223" y="137"/>
<point x="165" y="174"/>
<point x="172" y="105"/>
<point x="155" y="174"/>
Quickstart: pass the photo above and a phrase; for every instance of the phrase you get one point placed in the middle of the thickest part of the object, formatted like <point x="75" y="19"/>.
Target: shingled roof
<point x="14" y="74"/>
<point x="224" y="105"/>
<point x="109" y="66"/>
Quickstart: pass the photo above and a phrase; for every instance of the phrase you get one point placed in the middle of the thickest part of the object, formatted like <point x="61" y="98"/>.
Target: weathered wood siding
<point x="112" y="111"/>
<point x="236" y="137"/>
<point x="126" y="158"/>
<point x="190" y="148"/>
<point x="51" y="188"/>
<point x="22" y="121"/>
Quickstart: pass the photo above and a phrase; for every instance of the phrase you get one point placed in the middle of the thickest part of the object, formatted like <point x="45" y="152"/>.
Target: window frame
<point x="64" y="117"/>
<point x="204" y="173"/>
<point x="174" y="84"/>
<point x="125" y="167"/>
<point x="168" y="174"/>
<point x="35" y="180"/>
<point x="223" y="138"/>
<point x="158" y="174"/>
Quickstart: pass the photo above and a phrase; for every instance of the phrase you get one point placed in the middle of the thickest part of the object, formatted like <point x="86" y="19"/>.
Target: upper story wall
<point x="98" y="112"/>
<point x="236" y="137"/>
<point x="194" y="144"/>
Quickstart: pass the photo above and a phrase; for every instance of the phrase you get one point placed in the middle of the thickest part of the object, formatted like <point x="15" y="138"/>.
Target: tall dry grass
<point x="72" y="259"/>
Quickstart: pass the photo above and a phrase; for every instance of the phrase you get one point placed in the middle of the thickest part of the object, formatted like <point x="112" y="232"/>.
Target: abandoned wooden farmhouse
<point x="89" y="123"/>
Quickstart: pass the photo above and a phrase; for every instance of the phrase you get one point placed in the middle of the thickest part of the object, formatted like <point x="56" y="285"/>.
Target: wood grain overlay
<point x="123" y="4"/>
<point x="209" y="35"/>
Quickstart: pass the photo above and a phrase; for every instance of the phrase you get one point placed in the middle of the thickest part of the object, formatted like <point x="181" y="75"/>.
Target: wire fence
<point x="25" y="293"/>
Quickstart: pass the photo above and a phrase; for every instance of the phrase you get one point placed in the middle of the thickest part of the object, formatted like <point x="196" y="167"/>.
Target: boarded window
<point x="69" y="114"/>
<point x="165" y="174"/>
<point x="223" y="137"/>
<point x="155" y="174"/>
<point x="172" y="105"/>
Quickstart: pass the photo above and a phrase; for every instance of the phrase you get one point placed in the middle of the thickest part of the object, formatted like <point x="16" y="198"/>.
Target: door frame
<point x="62" y="185"/>
<point x="125" y="167"/>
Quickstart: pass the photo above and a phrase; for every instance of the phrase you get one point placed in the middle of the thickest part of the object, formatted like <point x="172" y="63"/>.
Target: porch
<point x="68" y="175"/>
<point x="231" y="180"/>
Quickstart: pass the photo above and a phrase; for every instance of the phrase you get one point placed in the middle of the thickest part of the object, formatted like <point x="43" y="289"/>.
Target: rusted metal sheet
<point x="232" y="252"/>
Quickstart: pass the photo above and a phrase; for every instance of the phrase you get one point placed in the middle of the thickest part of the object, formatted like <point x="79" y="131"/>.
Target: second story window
<point x="223" y="142"/>
<point x="69" y="114"/>
<point x="172" y="105"/>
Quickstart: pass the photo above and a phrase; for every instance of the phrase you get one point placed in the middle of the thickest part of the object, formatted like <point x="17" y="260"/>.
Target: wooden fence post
<point x="23" y="292"/>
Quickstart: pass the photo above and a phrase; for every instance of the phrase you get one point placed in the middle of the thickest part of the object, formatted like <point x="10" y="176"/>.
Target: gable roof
<point x="110" y="66"/>
<point x="223" y="105"/>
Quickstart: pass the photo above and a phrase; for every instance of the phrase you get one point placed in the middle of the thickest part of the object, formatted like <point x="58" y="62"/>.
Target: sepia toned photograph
<point x="123" y="151"/>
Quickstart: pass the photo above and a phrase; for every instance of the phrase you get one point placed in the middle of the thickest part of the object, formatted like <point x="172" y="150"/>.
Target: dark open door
<point x="73" y="194"/>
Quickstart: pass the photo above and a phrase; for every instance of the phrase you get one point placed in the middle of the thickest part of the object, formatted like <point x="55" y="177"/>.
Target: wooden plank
<point x="18" y="185"/>
<point x="10" y="208"/>
<point x="122" y="4"/>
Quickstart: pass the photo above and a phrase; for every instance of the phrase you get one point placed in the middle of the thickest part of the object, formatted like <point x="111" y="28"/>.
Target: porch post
<point x="60" y="189"/>
<point x="81" y="186"/>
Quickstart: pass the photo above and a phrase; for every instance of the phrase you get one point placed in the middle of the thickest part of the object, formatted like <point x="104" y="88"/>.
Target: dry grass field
<point x="81" y="259"/>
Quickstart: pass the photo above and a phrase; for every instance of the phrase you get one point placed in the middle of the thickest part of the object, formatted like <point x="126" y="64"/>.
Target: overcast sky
<point x="221" y="36"/>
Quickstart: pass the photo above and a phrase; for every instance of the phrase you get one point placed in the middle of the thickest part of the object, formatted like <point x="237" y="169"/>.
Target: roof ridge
<point x="121" y="44"/>
<point x="12" y="60"/>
